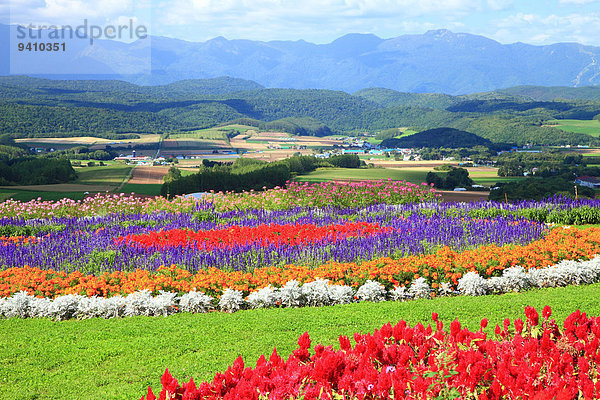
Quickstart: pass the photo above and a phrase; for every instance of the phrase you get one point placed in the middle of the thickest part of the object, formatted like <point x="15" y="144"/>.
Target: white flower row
<point x="316" y="293"/>
<point x="517" y="278"/>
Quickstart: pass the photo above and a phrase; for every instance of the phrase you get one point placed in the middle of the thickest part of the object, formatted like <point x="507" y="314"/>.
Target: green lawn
<point x="491" y="180"/>
<point x="404" y="131"/>
<point x="119" y="358"/>
<point x="188" y="172"/>
<point x="397" y="174"/>
<point x="367" y="157"/>
<point x="372" y="140"/>
<point x="588" y="127"/>
<point x="256" y="141"/>
<point x="407" y="132"/>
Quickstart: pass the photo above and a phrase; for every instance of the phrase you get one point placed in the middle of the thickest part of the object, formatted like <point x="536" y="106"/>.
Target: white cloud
<point x="499" y="5"/>
<point x="313" y="20"/>
<point x="539" y="29"/>
<point x="61" y="12"/>
<point x="578" y="2"/>
<point x="184" y="11"/>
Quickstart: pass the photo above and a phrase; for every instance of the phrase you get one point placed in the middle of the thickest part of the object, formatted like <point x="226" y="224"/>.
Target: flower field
<point x="318" y="245"/>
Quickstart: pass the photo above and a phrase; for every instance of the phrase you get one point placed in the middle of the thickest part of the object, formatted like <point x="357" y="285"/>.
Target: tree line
<point x="248" y="174"/>
<point x="36" y="171"/>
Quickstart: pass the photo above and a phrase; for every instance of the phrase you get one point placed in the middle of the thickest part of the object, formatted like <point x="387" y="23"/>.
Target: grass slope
<point x="119" y="358"/>
<point x="89" y="179"/>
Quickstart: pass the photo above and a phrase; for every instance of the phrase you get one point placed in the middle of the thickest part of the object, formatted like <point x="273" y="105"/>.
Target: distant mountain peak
<point x="439" y="32"/>
<point x="354" y="44"/>
<point x="357" y="36"/>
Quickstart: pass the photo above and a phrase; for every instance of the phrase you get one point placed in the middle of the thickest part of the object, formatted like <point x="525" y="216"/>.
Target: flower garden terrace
<point x="121" y="258"/>
<point x="178" y="243"/>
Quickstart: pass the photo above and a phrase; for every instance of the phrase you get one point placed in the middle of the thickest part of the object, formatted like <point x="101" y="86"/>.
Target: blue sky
<point x="321" y="21"/>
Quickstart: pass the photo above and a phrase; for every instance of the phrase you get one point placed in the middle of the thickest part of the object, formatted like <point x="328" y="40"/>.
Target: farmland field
<point x="62" y="187"/>
<point x="148" y="175"/>
<point x="412" y="172"/>
<point x="176" y="146"/>
<point x="489" y="176"/>
<point x="64" y="142"/>
<point x="94" y="143"/>
<point x="588" y="127"/>
<point x="211" y="133"/>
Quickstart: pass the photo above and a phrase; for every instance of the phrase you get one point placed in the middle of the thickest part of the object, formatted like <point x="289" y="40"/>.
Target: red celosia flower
<point x="484" y="323"/>
<point x="547" y="312"/>
<point x="532" y="316"/>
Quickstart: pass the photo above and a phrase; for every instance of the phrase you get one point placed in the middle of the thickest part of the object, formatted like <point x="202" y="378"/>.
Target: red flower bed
<point x="524" y="360"/>
<point x="18" y="240"/>
<point x="297" y="234"/>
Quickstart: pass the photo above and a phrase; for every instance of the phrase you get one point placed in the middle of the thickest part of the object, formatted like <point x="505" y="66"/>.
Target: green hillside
<point x="541" y="93"/>
<point x="392" y="98"/>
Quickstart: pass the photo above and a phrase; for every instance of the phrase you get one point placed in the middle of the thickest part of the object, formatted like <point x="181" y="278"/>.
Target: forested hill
<point x="439" y="137"/>
<point x="393" y="98"/>
<point x="541" y="93"/>
<point x="31" y="107"/>
<point x="19" y="86"/>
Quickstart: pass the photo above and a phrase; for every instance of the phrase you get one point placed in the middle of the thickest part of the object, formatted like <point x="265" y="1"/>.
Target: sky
<point x="322" y="21"/>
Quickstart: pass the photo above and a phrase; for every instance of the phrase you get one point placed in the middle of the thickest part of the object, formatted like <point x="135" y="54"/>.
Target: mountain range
<point x="438" y="61"/>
